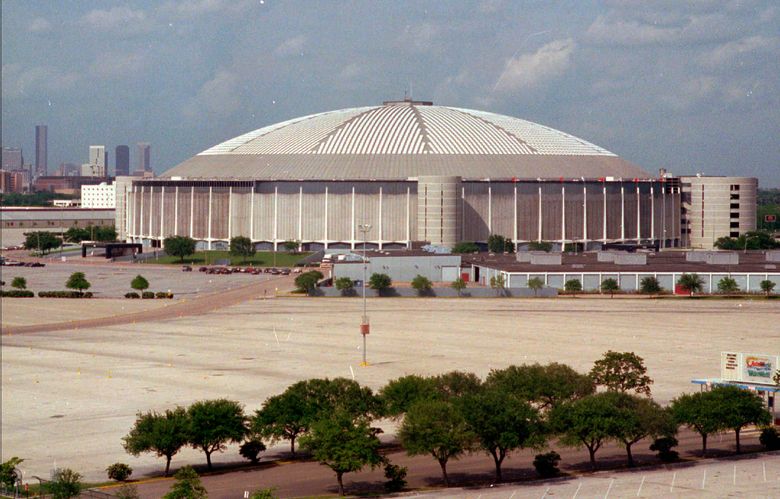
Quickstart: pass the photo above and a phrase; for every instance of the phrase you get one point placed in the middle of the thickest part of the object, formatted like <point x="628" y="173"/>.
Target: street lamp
<point x="364" y="327"/>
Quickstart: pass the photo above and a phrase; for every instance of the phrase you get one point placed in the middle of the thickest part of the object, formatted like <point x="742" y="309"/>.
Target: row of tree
<point x="451" y="414"/>
<point x="240" y="246"/>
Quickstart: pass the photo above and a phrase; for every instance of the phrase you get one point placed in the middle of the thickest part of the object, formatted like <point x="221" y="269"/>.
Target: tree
<point x="19" y="283"/>
<point x="307" y="282"/>
<point x="77" y="281"/>
<point x="162" y="433"/>
<point x="691" y="283"/>
<point x="42" y="241"/>
<point x="9" y="475"/>
<point x="546" y="386"/>
<point x="291" y="246"/>
<point x="65" y="484"/>
<point x="180" y="246"/>
<point x="535" y="283"/>
<point x="437" y="428"/>
<point x="699" y="412"/>
<point x="345" y="285"/>
<point x="739" y="408"/>
<point x="214" y="423"/>
<point x="139" y="283"/>
<point x="649" y="286"/>
<point x="187" y="485"/>
<point x="589" y="421"/>
<point x="753" y="240"/>
<point x="400" y="394"/>
<point x="119" y="472"/>
<point x="251" y="449"/>
<point x="639" y="418"/>
<point x="498" y="282"/>
<point x="456" y="384"/>
<point x="465" y="247"/>
<point x="242" y="246"/>
<point x="621" y="372"/>
<point x="728" y="285"/>
<point x="502" y="424"/>
<point x="380" y="282"/>
<point x="500" y="244"/>
<point x="343" y="445"/>
<point x="573" y="286"/>
<point x="422" y="284"/>
<point x="767" y="286"/>
<point x="459" y="285"/>
<point x="610" y="285"/>
<point x="540" y="246"/>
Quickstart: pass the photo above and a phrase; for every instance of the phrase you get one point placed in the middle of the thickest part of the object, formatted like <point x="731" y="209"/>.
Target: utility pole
<point x="364" y="327"/>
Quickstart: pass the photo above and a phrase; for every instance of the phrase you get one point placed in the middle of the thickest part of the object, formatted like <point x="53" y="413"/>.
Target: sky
<point x="687" y="86"/>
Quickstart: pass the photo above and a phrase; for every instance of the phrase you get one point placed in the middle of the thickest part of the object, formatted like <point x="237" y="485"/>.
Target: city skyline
<point x="686" y="87"/>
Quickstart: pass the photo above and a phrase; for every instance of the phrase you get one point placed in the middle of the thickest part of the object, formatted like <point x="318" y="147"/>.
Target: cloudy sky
<point x="689" y="86"/>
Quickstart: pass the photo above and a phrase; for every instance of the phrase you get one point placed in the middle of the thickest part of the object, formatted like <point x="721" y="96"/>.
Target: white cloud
<point x="728" y="52"/>
<point x="19" y="82"/>
<point x="526" y="71"/>
<point x="115" y="65"/>
<point x="421" y="37"/>
<point x="218" y="96"/>
<point x="627" y="32"/>
<point x="195" y="8"/>
<point x="40" y="25"/>
<point x="290" y="47"/>
<point x="116" y="18"/>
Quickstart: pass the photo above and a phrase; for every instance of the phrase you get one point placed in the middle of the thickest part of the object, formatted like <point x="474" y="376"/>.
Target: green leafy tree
<point x="502" y="424"/>
<point x="753" y="240"/>
<point x="639" y="418"/>
<point x="728" y="285"/>
<point x="291" y="246"/>
<point x="267" y="493"/>
<point x="180" y="246"/>
<point x="77" y="281"/>
<point x="500" y="244"/>
<point x="767" y="286"/>
<point x="343" y="444"/>
<point x="400" y="394"/>
<point x="9" y="474"/>
<point x="307" y="282"/>
<point x="19" y="283"/>
<point x="540" y="246"/>
<point x="465" y="247"/>
<point x="590" y="421"/>
<point x="65" y="484"/>
<point x="242" y="246"/>
<point x="536" y="284"/>
<point x="459" y="285"/>
<point x="621" y="372"/>
<point x="251" y="449"/>
<point x="119" y="472"/>
<point x="437" y="428"/>
<point x="545" y="386"/>
<point x="739" y="408"/>
<point x="139" y="283"/>
<point x="106" y="233"/>
<point x="649" y="286"/>
<point x="610" y="285"/>
<point x="215" y="423"/>
<point x="42" y="241"/>
<point x="498" y="282"/>
<point x="422" y="285"/>
<point x="456" y="384"/>
<point x="380" y="282"/>
<point x="162" y="433"/>
<point x="699" y="412"/>
<point x="573" y="286"/>
<point x="187" y="485"/>
<point x="345" y="285"/>
<point x="692" y="283"/>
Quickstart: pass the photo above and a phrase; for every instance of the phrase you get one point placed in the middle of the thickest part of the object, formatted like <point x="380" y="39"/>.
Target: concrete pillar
<point x="584" y="216"/>
<point x="300" y="217"/>
<point x="604" y="221"/>
<point x="490" y="209"/>
<point x="540" y="214"/>
<point x="652" y="213"/>
<point x="230" y="213"/>
<point x="252" y="214"/>
<point x="141" y="215"/>
<point x="352" y="243"/>
<point x="563" y="216"/>
<point x="176" y="212"/>
<point x="622" y="212"/>
<point x="162" y="212"/>
<point x="209" y="226"/>
<point x="325" y="238"/>
<point x="514" y="218"/>
<point x="380" y="218"/>
<point x="638" y="214"/>
<point x="192" y="212"/>
<point x="437" y="206"/>
<point x="276" y="216"/>
<point x="151" y="210"/>
<point x="408" y="217"/>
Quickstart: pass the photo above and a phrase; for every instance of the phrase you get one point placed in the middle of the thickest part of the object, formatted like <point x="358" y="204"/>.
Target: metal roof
<point x="18" y="214"/>
<point x="403" y="139"/>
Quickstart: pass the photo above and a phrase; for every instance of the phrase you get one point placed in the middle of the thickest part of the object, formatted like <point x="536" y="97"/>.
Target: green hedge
<point x="64" y="294"/>
<point x="147" y="295"/>
<point x="132" y="294"/>
<point x="163" y="294"/>
<point x="17" y="293"/>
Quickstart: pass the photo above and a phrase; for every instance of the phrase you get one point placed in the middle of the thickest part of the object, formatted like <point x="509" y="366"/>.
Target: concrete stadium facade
<point x="413" y="172"/>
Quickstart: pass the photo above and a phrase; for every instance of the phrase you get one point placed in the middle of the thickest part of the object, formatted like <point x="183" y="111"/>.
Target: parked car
<point x="186" y="268"/>
<point x="203" y="269"/>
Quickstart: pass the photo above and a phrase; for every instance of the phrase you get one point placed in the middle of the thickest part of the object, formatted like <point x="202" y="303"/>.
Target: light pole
<point x="364" y="327"/>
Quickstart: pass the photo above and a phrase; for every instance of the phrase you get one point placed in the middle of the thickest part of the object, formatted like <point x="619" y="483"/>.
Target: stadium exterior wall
<point x="441" y="210"/>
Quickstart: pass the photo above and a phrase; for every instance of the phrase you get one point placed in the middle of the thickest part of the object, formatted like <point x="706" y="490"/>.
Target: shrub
<point x="119" y="472"/>
<point x="17" y="293"/>
<point x="132" y="294"/>
<point x="663" y="446"/>
<point x="64" y="294"/>
<point x="127" y="492"/>
<point x="770" y="438"/>
<point x="250" y="450"/>
<point x="268" y="493"/>
<point x="147" y="295"/>
<point x="465" y="247"/>
<point x="19" y="283"/>
<point x="65" y="484"/>
<point x="345" y="285"/>
<point x="396" y="477"/>
<point x="422" y="284"/>
<point x="546" y="465"/>
<point x="650" y="286"/>
<point x="540" y="246"/>
<point x="163" y="294"/>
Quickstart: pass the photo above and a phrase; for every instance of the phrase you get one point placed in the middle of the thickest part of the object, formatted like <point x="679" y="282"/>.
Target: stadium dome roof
<point x="405" y="139"/>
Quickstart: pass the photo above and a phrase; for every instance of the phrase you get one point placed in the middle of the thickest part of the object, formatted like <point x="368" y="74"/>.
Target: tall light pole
<point x="364" y="327"/>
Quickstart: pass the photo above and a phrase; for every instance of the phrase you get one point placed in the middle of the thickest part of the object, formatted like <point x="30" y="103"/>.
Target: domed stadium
<point x="413" y="172"/>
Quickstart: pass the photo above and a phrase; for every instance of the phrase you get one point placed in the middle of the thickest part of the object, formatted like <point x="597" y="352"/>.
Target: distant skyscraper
<point x="41" y="153"/>
<point x="122" y="161"/>
<point x="12" y="158"/>
<point x="144" y="157"/>
<point x="97" y="162"/>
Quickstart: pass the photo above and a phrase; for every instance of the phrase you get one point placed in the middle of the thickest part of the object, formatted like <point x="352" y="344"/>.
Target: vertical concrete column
<point x="151" y="210"/>
<point x="162" y="211"/>
<point x="563" y="216"/>
<point x="604" y="221"/>
<point x="352" y="230"/>
<point x="638" y="215"/>
<point x="652" y="213"/>
<point x="490" y="209"/>
<point x="408" y="217"/>
<point x="380" y="218"/>
<point x="141" y="215"/>
<point x="300" y="217"/>
<point x="584" y="215"/>
<point x="663" y="215"/>
<point x="252" y="214"/>
<point x="230" y="213"/>
<point x="325" y="238"/>
<point x="209" y="225"/>
<point x="176" y="212"/>
<point x="437" y="205"/>
<point x="276" y="216"/>
<point x="540" y="214"/>
<point x="622" y="212"/>
<point x="462" y="213"/>
<point x="514" y="218"/>
<point x="192" y="212"/>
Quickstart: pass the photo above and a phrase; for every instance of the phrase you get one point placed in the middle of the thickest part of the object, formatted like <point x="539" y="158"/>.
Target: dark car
<point x="186" y="268"/>
<point x="203" y="269"/>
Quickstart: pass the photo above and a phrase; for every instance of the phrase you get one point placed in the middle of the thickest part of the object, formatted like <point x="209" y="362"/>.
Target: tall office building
<point x="97" y="162"/>
<point x="41" y="153"/>
<point x="144" y="157"/>
<point x="12" y="158"/>
<point x="122" y="161"/>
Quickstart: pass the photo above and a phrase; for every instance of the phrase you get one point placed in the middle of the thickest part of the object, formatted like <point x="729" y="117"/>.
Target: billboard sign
<point x="749" y="367"/>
